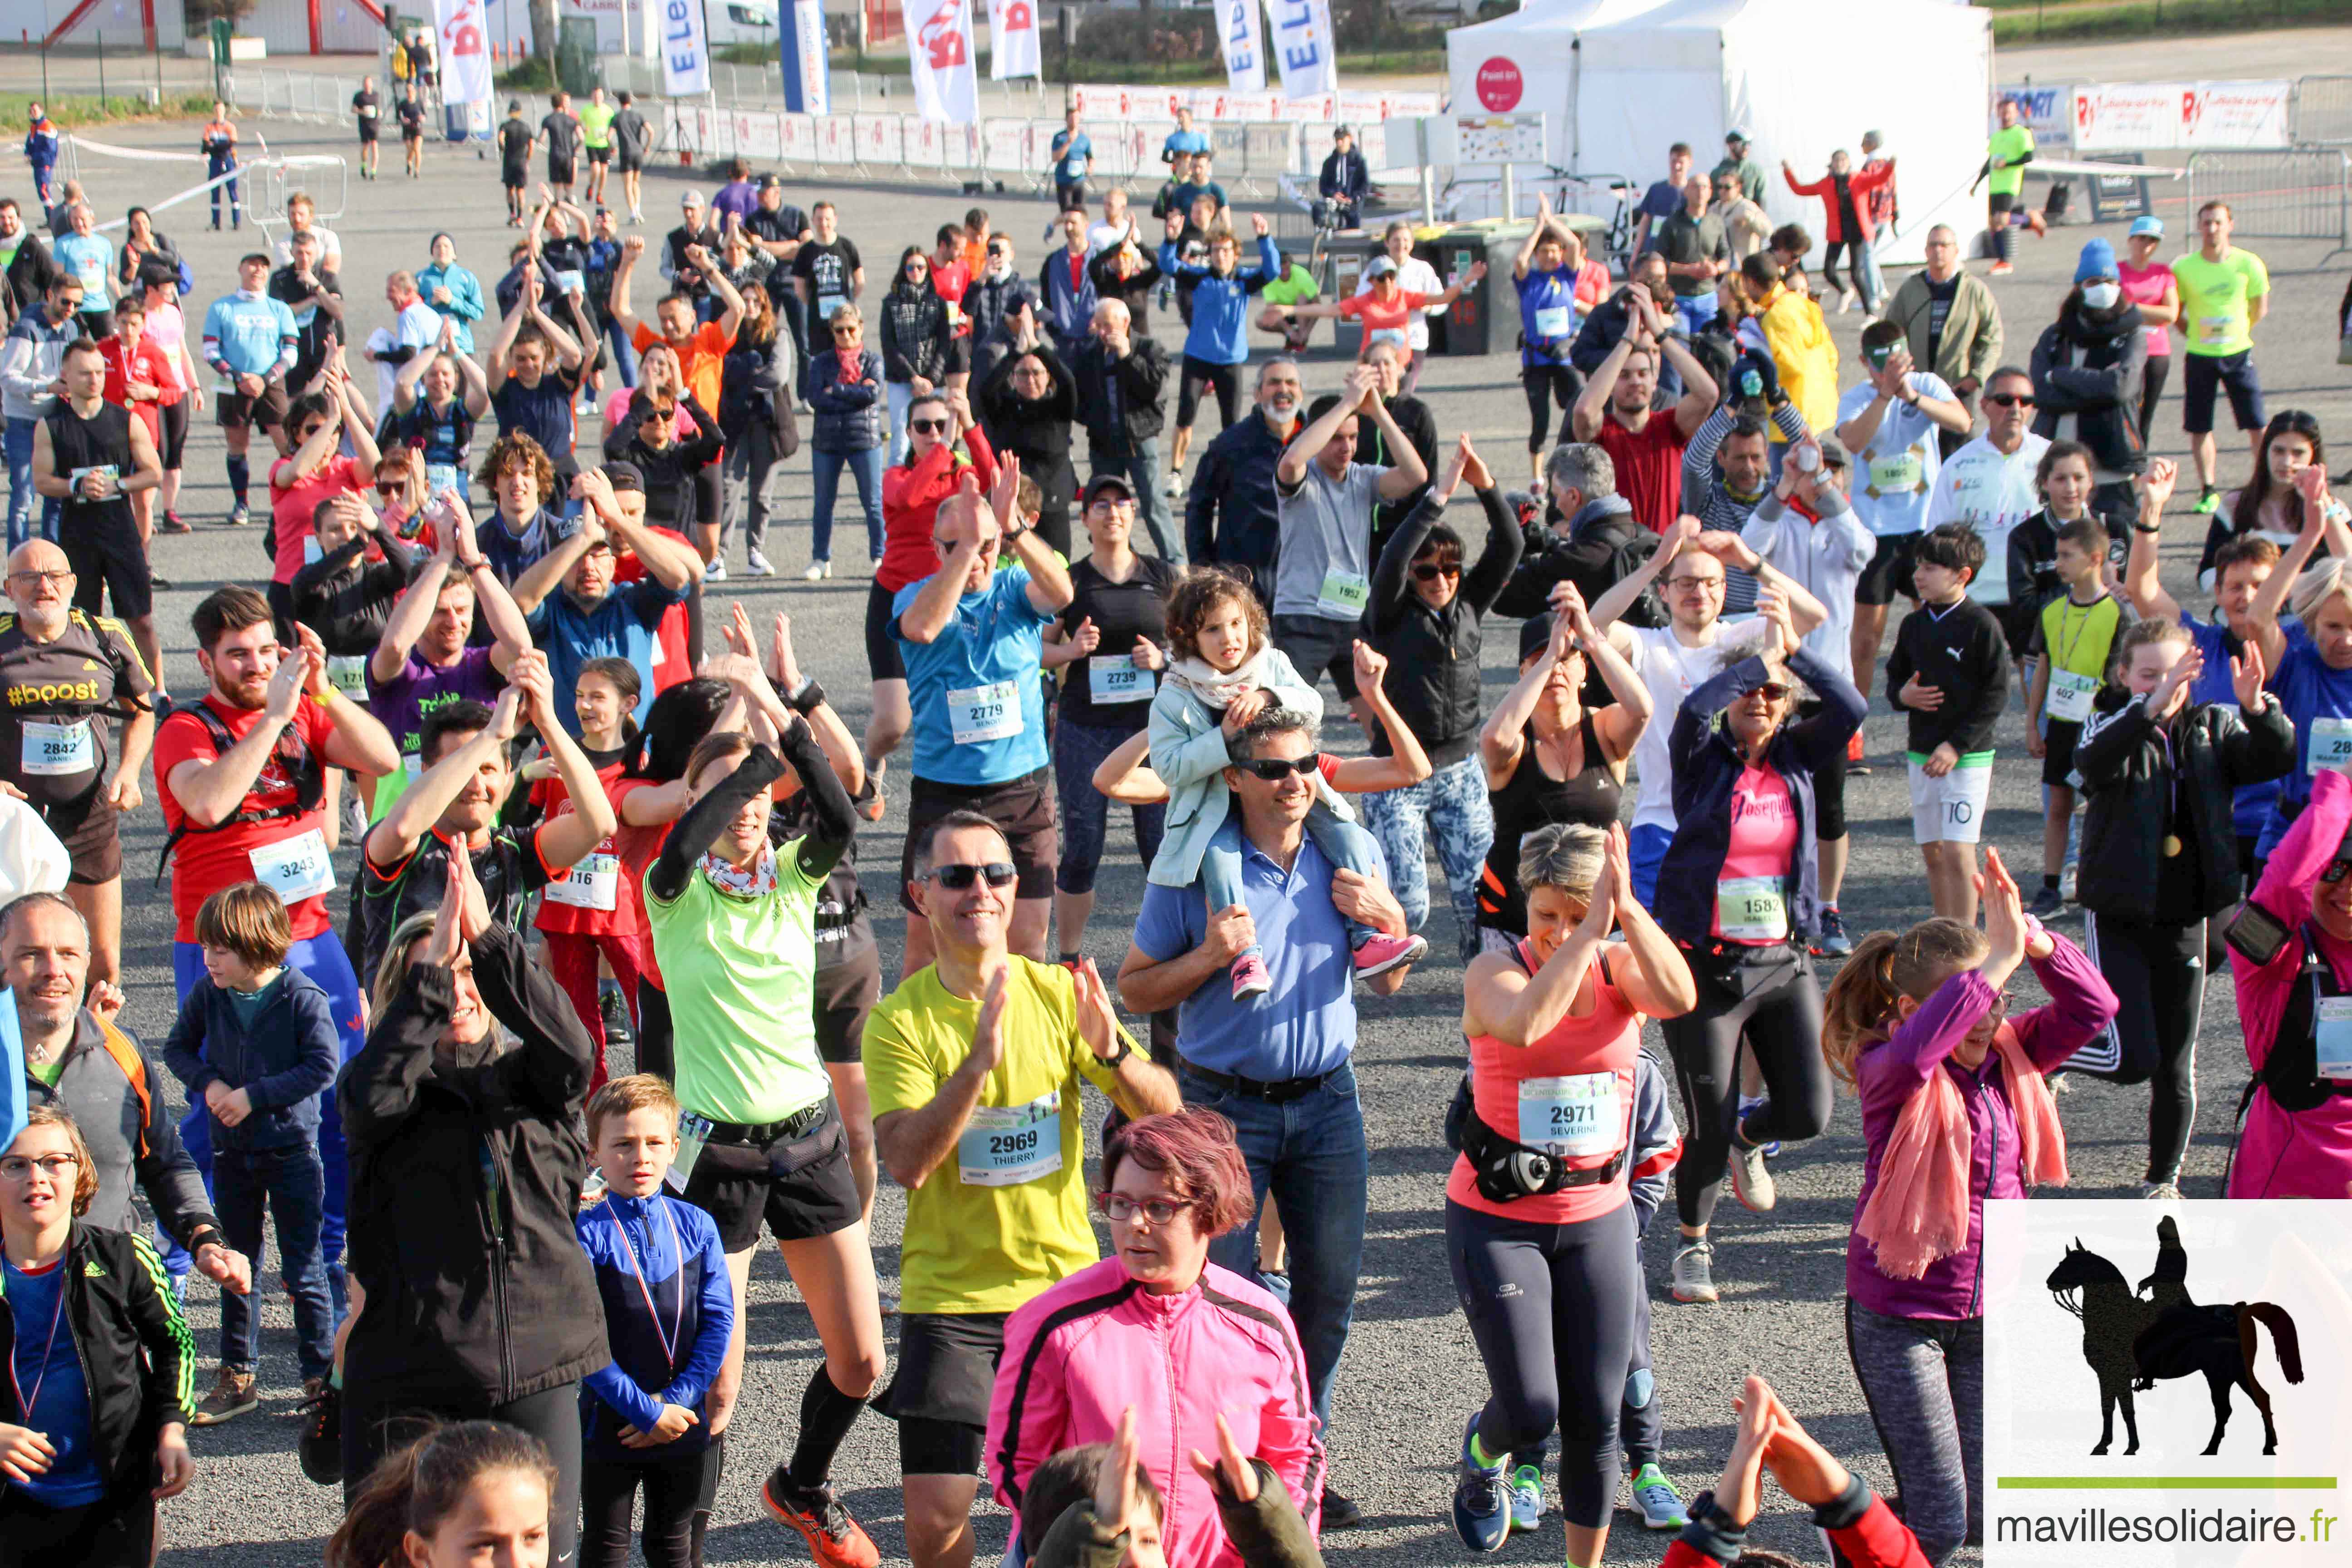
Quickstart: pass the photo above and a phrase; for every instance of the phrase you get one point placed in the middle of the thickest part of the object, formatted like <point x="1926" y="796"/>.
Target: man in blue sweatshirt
<point x="1217" y="345"/>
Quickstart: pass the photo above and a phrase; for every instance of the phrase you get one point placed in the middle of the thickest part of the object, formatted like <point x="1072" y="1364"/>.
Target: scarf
<point x="1919" y="1211"/>
<point x="1217" y="689"/>
<point x="756" y="883"/>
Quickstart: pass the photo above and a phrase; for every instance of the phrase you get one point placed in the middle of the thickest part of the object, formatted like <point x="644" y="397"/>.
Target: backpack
<point x="309" y="782"/>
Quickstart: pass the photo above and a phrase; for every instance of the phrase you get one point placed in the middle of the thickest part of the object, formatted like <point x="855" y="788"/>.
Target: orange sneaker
<point x="834" y="1539"/>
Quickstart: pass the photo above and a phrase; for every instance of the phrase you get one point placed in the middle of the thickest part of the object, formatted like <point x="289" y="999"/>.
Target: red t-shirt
<point x="571" y="911"/>
<point x="1379" y="319"/>
<point x="142" y="361"/>
<point x="204" y="863"/>
<point x="670" y="663"/>
<point x="951" y="282"/>
<point x="290" y="507"/>
<point x="1649" y="465"/>
<point x="637" y="848"/>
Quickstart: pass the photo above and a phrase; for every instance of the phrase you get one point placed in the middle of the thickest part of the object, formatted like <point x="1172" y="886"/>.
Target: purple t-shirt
<point x="401" y="703"/>
<point x="740" y="197"/>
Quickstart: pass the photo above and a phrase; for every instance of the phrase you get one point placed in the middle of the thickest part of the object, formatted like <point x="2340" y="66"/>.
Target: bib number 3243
<point x="295" y="868"/>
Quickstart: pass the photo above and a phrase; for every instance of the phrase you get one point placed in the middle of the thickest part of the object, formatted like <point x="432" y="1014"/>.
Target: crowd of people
<point x="487" y="658"/>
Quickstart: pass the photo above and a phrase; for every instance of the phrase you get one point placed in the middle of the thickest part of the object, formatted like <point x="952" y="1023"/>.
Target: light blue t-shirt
<point x="248" y="331"/>
<point x="1070" y="154"/>
<point x="90" y="259"/>
<point x="1186" y="143"/>
<point x="1894" y="474"/>
<point x="61" y="1406"/>
<point x="1305" y="1022"/>
<point x="978" y="707"/>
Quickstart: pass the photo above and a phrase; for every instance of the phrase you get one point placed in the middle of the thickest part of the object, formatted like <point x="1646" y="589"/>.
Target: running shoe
<point x="355" y="822"/>
<point x="1751" y="1183"/>
<point x="232" y="1396"/>
<point x="1527" y="1498"/>
<point x="1661" y="1506"/>
<point x="834" y="1539"/>
<point x="321" y="1446"/>
<point x="2207" y="500"/>
<point x="174" y="523"/>
<point x="1339" y="1513"/>
<point x="1249" y="978"/>
<point x="818" y="572"/>
<point x="239" y="515"/>
<point x="869" y="801"/>
<point x="613" y="1009"/>
<point x="2048" y="903"/>
<point x="1382" y="952"/>
<point x="2160" y="1192"/>
<point x="1832" y="941"/>
<point x="1695" y="1273"/>
<point x="716" y="571"/>
<point x="1854" y="755"/>
<point x="1482" y="1500"/>
<point x="758" y="565"/>
<point x="1747" y="1106"/>
<point x="2067" y="878"/>
<point x="2002" y="268"/>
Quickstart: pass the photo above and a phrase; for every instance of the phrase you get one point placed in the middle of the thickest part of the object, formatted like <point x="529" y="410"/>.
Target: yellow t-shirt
<point x="1004" y="1215"/>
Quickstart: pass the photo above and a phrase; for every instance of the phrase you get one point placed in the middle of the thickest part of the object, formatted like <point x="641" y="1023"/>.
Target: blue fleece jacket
<point x="685" y="1270"/>
<point x="1220" y="333"/>
<point x="282" y="1059"/>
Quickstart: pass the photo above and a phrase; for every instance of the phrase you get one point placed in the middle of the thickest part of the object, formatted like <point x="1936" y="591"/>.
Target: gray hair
<point x="1564" y="854"/>
<point x="1267" y="366"/>
<point x="1241" y="746"/>
<point x="2329" y="579"/>
<point x="2007" y="373"/>
<point x="40" y="899"/>
<point x="1581" y="466"/>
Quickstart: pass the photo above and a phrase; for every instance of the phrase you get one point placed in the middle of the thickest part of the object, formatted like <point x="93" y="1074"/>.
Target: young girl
<point x="461" y="1493"/>
<point x="2064" y="478"/>
<point x="593" y="909"/>
<point x="1916" y="1024"/>
<point x="2276" y="500"/>
<point x="1225" y="675"/>
<point x="93" y="1419"/>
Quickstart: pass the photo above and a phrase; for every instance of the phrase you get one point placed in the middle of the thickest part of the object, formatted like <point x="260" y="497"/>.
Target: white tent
<point x="1620" y="79"/>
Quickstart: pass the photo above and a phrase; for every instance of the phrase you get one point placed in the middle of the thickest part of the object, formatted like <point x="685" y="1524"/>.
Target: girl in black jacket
<point x="462" y="1115"/>
<point x="2160" y="859"/>
<point x="96" y="1299"/>
<point x="1426" y="614"/>
<point x="1028" y="406"/>
<point x="917" y="341"/>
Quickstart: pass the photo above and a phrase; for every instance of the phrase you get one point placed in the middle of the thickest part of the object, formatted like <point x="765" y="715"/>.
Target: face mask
<point x="2102" y="296"/>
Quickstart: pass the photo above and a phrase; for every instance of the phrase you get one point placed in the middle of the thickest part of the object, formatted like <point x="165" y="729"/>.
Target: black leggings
<point x="657" y="1041"/>
<point x="1225" y="380"/>
<point x="1553" y="1308"/>
<point x="377" y="1428"/>
<point x="2158" y="973"/>
<point x="1829" y="792"/>
<point x="116" y="1531"/>
<point x="677" y="1487"/>
<point x="2151" y="388"/>
<point x="1767" y="996"/>
<point x="1547" y="385"/>
<point x="175" y="432"/>
<point x="1853" y="250"/>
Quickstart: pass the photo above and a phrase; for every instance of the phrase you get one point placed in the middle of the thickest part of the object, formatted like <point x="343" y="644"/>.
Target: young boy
<point x="2072" y="638"/>
<point x="256" y="1042"/>
<point x="669" y="1308"/>
<point x="1949" y="671"/>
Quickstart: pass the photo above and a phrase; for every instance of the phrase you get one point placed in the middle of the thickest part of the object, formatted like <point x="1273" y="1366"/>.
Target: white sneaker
<point x="756" y="565"/>
<point x="1847" y="301"/>
<point x="716" y="571"/>
<point x="818" y="571"/>
<point x="1172" y="486"/>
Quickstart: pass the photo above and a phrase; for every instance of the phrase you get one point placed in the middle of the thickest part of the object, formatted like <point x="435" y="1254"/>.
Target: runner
<point x="2311" y="666"/>
<point x="1890" y="423"/>
<point x="342" y="596"/>
<point x="30" y="365"/>
<point x="436" y="400"/>
<point x="559" y="129"/>
<point x="515" y="139"/>
<point x="89" y="456"/>
<point x="42" y="144"/>
<point x="166" y="331"/>
<point x="410" y="113"/>
<point x="1548" y="322"/>
<point x="2007" y="153"/>
<point x="217" y="142"/>
<point x="632" y="140"/>
<point x="367" y="113"/>
<point x="2149" y="284"/>
<point x="596" y="118"/>
<point x="1216" y="341"/>
<point x="1989" y="486"/>
<point x="1614" y="412"/>
<point x="320" y="424"/>
<point x="250" y="341"/>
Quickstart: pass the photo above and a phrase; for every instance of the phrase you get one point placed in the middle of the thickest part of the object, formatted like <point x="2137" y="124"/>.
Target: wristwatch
<point x="1126" y="1049"/>
<point x="2143" y="527"/>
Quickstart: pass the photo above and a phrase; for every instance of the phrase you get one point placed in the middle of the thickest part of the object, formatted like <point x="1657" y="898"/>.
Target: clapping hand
<point x="2247" y="674"/>
<point x="1229" y="1475"/>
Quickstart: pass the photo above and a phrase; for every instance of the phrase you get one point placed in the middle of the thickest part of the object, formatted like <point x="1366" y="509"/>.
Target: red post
<point x="314" y="28"/>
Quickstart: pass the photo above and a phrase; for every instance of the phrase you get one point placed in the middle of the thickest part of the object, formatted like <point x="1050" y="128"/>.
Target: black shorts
<point x="107" y="560"/>
<point x="265" y="410"/>
<point x="412" y="133"/>
<point x="513" y="177"/>
<point x="369" y="133"/>
<point x="1313" y="643"/>
<point x="1997" y="205"/>
<point x="800" y="1183"/>
<point x="564" y="173"/>
<point x="1023" y="807"/>
<point x="848" y="983"/>
<point x="883" y="659"/>
<point x="940" y="1394"/>
<point x="630" y="161"/>
<point x="2058" y="752"/>
<point x="2207" y="373"/>
<point x="1225" y="380"/>
<point x="600" y="154"/>
<point x="1889" y="571"/>
<point x="89" y="830"/>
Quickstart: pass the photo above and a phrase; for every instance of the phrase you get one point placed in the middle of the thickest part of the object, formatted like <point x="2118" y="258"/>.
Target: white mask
<point x="2102" y="296"/>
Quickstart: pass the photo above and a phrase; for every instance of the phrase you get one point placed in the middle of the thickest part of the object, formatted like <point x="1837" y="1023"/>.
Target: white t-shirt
<point x="1895" y="475"/>
<point x="1102" y="237"/>
<point x="417" y="327"/>
<point x="330" y="249"/>
<point x="1673" y="671"/>
<point x="1991" y="494"/>
<point x="1415" y="276"/>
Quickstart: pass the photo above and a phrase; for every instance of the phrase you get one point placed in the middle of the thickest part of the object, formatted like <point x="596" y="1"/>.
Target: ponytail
<point x="420" y="1486"/>
<point x="1859" y="1007"/>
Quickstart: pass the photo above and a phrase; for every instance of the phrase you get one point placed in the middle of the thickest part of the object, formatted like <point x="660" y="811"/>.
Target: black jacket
<point x="464" y="1175"/>
<point x="915" y="337"/>
<point x="1134" y="290"/>
<point x="345" y="600"/>
<point x="1230" y="515"/>
<point x="138" y="1357"/>
<point x="1038" y="430"/>
<point x="1142" y="381"/>
<point x="1433" y="676"/>
<point x="669" y="471"/>
<point x="1599" y="537"/>
<point x="751" y="392"/>
<point x="1418" y="427"/>
<point x="1599" y="333"/>
<point x="1345" y="178"/>
<point x="29" y="271"/>
<point x="2091" y="364"/>
<point x="2131" y="787"/>
<point x="1962" y="654"/>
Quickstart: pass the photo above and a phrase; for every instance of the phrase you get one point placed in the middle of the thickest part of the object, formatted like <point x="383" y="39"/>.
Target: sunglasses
<point x="392" y="491"/>
<point x="1274" y="769"/>
<point x="956" y="878"/>
<point x="929" y="427"/>
<point x="1771" y="692"/>
<point x="1430" y="571"/>
<point x="849" y="330"/>
<point x="2009" y="399"/>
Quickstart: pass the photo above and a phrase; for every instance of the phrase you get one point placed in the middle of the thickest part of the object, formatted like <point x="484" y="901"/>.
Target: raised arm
<point x="2142" y="585"/>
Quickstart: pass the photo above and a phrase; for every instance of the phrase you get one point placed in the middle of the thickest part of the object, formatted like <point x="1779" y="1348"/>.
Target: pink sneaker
<point x="1249" y="978"/>
<point x="1381" y="954"/>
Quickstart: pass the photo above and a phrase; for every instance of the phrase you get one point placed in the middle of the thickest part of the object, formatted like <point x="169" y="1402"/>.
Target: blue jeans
<point x="1310" y="1154"/>
<point x="624" y="354"/>
<point x="1874" y="281"/>
<point x="1343" y="844"/>
<point x="1696" y="310"/>
<point x="1646" y="848"/>
<point x="1453" y="802"/>
<point x="292" y="1183"/>
<point x="866" y="469"/>
<point x="17" y="442"/>
<point x="900" y="394"/>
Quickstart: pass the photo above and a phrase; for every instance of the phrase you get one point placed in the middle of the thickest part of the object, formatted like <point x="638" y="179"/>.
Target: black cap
<point x="769" y="183"/>
<point x="1833" y="452"/>
<point x="625" y="476"/>
<point x="1102" y="484"/>
<point x="1535" y="633"/>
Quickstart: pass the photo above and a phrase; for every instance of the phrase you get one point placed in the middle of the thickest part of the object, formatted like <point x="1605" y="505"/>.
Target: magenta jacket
<point x="1079" y="1355"/>
<point x="2081" y="1005"/>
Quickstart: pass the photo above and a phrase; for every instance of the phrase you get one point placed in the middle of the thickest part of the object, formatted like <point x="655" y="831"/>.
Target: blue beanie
<point x="2098" y="261"/>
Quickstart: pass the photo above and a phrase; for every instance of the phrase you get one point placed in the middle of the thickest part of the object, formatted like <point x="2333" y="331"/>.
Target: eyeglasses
<point x="1684" y="584"/>
<point x="1431" y="570"/>
<point x="58" y="1168"/>
<point x="1274" y="769"/>
<point x="929" y="427"/>
<point x="1112" y="503"/>
<point x="2009" y="399"/>
<point x="34" y="579"/>
<point x="956" y="878"/>
<point x="1122" y="1208"/>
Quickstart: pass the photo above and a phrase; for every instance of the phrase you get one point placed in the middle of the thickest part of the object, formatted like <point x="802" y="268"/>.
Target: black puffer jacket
<point x="1433" y="654"/>
<point x="1141" y="380"/>
<point x="850" y="415"/>
<point x="916" y="336"/>
<point x="466" y="1172"/>
<point x="2090" y="363"/>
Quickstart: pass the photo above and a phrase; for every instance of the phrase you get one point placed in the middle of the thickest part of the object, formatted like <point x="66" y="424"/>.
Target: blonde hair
<point x="1568" y="856"/>
<point x="1861" y="1002"/>
<point x="2317" y="585"/>
<point x="392" y="969"/>
<point x="622" y="1096"/>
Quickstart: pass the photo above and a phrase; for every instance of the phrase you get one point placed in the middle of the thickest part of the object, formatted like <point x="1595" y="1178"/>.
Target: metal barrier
<point x="2302" y="193"/>
<point x="2323" y="111"/>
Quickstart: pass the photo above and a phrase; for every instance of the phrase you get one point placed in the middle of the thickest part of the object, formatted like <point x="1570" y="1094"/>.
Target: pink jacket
<point x="1079" y="1355"/>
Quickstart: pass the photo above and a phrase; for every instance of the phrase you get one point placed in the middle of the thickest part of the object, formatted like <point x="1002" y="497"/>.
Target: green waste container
<point x="1486" y="319"/>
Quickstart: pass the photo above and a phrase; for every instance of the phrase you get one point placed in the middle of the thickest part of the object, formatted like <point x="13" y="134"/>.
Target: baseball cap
<point x="689" y="198"/>
<point x="625" y="476"/>
<point x="1380" y="267"/>
<point x="1735" y="135"/>
<point x="1833" y="452"/>
<point x="1535" y="632"/>
<point x="1106" y="484"/>
<point x="2150" y="225"/>
<point x="769" y="183"/>
<point x="1340" y="130"/>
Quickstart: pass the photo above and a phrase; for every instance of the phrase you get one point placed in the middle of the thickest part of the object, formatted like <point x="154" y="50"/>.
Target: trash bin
<point x="465" y="121"/>
<point x="1485" y="319"/>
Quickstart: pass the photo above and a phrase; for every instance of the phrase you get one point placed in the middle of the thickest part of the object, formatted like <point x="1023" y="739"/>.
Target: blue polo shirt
<point x="978" y="707"/>
<point x="1305" y="1025"/>
<point x="1186" y="142"/>
<point x="619" y="626"/>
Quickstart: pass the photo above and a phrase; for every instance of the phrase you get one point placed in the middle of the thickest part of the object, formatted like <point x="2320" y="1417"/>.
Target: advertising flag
<point x="685" y="48"/>
<point x="1244" y="46"/>
<point x="939" y="50"/>
<point x="464" y="49"/>
<point x="1303" y="46"/>
<point x="808" y="76"/>
<point x="1013" y="49"/>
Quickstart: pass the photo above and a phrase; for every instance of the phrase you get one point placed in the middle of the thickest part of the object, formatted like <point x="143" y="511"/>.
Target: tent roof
<point x="1560" y="17"/>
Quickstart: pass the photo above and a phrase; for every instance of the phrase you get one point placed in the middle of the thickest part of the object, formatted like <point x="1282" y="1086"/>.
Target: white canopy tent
<point x="1620" y="79"/>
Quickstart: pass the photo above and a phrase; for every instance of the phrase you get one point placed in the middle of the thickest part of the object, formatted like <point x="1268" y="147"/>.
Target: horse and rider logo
<point x="2134" y="1337"/>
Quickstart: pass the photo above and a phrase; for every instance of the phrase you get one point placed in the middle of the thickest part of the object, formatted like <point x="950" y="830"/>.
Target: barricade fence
<point x="2300" y="193"/>
<point x="2323" y="111"/>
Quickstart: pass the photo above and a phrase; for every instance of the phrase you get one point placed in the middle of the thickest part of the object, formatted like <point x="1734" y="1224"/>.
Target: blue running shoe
<point x="1527" y="1498"/>
<point x="1661" y="1506"/>
<point x="1482" y="1502"/>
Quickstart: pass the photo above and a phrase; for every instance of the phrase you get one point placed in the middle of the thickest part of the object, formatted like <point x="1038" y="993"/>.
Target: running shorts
<point x="1950" y="810"/>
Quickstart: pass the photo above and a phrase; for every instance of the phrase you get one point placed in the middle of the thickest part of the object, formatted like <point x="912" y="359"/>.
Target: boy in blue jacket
<point x="256" y="1042"/>
<point x="1216" y="345"/>
<point x="669" y="1309"/>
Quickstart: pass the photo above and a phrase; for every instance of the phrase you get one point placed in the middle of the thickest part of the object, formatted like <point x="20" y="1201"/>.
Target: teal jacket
<point x="465" y="306"/>
<point x="1188" y="753"/>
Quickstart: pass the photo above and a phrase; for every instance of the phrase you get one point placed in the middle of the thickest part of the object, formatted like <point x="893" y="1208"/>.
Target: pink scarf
<point x="1919" y="1211"/>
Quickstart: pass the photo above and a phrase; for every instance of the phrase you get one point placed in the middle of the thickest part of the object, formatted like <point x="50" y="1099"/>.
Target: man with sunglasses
<point x="975" y="1065"/>
<point x="1989" y="484"/>
<point x="973" y="640"/>
<point x="1279" y="1067"/>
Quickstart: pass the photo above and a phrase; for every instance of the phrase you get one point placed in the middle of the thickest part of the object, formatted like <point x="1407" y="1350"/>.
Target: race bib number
<point x="1751" y="908"/>
<point x="412" y="764"/>
<point x="1004" y="1146"/>
<point x="2331" y="745"/>
<point x="1117" y="677"/>
<point x="593" y="884"/>
<point x="1344" y="595"/>
<point x="1576" y="1116"/>
<point x="52" y="750"/>
<point x="1390" y="335"/>
<point x="571" y="282"/>
<point x="1551" y="320"/>
<point x="1896" y="475"/>
<point x="978" y="713"/>
<point x="2071" y="694"/>
<point x="439" y="476"/>
<point x="2215" y="329"/>
<point x="295" y="868"/>
<point x="347" y="673"/>
<point x="2332" y="1048"/>
<point x="693" y="1132"/>
<point x="109" y="480"/>
<point x="826" y="304"/>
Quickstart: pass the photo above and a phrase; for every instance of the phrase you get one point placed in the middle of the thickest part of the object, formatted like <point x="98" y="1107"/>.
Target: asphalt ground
<point x="1411" y="1371"/>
